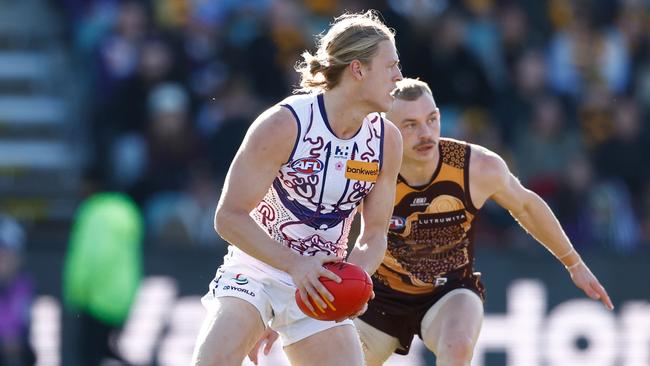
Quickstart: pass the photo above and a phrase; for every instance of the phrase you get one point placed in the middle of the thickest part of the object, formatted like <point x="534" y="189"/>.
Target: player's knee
<point x="456" y="350"/>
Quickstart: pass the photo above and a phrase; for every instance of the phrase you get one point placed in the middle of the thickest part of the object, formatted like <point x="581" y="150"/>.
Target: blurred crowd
<point x="559" y="88"/>
<point x="16" y="296"/>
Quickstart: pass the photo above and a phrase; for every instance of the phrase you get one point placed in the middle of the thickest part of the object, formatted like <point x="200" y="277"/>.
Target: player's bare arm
<point x="369" y="249"/>
<point x="491" y="179"/>
<point x="267" y="145"/>
<point x="377" y="208"/>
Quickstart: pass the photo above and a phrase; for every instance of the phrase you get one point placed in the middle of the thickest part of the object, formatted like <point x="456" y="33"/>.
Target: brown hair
<point x="410" y="89"/>
<point x="352" y="36"/>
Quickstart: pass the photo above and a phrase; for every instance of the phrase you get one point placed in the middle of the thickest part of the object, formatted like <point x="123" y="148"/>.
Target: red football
<point x="349" y="296"/>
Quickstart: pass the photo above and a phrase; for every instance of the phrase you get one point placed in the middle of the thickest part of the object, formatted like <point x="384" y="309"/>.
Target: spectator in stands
<point x="170" y="141"/>
<point x="102" y="271"/>
<point x="117" y="53"/>
<point x="459" y="77"/>
<point x="586" y="54"/>
<point x="16" y="293"/>
<point x="542" y="149"/>
<point x="182" y="218"/>
<point x="575" y="189"/>
<point x="501" y="57"/>
<point x="616" y="226"/>
<point x="627" y="148"/>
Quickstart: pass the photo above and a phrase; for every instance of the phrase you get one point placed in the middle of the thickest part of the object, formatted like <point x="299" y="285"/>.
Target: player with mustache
<point x="426" y="284"/>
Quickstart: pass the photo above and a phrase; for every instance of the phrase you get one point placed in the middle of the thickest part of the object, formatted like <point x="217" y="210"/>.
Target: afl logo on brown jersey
<point x="397" y="223"/>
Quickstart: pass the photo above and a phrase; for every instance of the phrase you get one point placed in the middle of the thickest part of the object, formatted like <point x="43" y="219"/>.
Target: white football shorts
<point x="273" y="298"/>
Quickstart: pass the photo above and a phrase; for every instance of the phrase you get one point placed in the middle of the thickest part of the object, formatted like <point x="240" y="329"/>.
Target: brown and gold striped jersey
<point x="430" y="232"/>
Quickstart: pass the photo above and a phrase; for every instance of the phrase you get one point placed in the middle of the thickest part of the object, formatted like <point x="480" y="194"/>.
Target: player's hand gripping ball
<point x="349" y="296"/>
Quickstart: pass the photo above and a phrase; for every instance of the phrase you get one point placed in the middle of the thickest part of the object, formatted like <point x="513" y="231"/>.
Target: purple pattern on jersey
<point x="316" y="244"/>
<point x="316" y="220"/>
<point x="372" y="134"/>
<point x="267" y="213"/>
<point x="318" y="143"/>
<point x="311" y="209"/>
<point x="304" y="187"/>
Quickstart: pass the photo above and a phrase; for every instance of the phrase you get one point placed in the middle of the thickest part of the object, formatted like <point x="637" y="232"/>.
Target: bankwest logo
<point x="362" y="170"/>
<point x="307" y="166"/>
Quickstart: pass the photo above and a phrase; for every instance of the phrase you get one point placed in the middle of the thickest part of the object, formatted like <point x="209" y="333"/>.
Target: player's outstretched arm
<point x="267" y="145"/>
<point x="533" y="214"/>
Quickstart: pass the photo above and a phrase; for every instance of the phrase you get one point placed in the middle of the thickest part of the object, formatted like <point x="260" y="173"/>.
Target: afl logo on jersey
<point x="307" y="166"/>
<point x="397" y="223"/>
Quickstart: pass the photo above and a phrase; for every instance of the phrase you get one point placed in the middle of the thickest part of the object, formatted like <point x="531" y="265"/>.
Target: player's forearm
<point x="369" y="251"/>
<point x="240" y="230"/>
<point x="540" y="222"/>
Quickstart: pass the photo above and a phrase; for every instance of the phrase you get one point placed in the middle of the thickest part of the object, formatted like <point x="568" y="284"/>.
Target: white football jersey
<point x="313" y="200"/>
